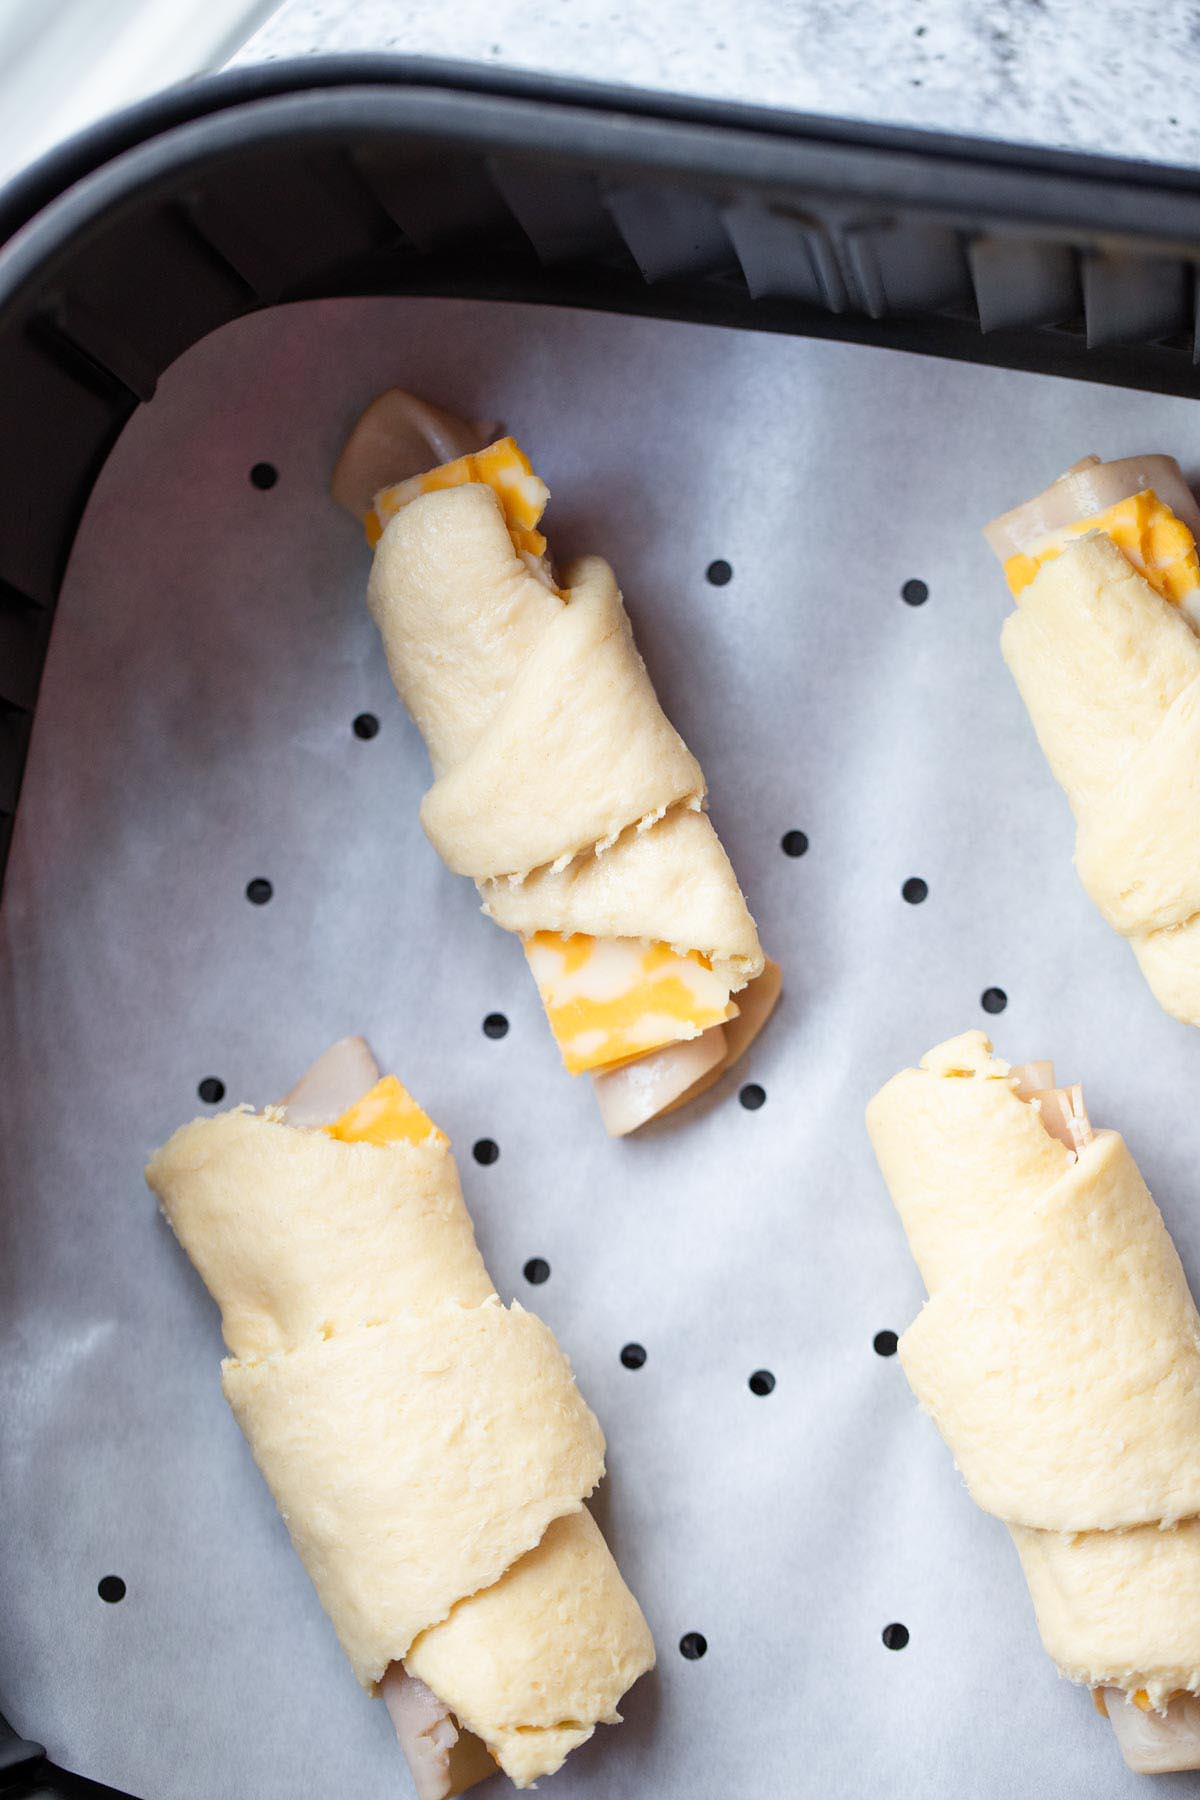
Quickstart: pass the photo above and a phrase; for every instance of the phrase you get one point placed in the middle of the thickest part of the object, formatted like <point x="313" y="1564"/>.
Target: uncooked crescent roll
<point x="560" y="787"/>
<point x="1059" y="1355"/>
<point x="1105" y="651"/>
<point x="426" y="1445"/>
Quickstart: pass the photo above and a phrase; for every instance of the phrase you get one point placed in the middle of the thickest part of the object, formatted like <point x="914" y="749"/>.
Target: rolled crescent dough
<point x="1110" y="673"/>
<point x="1063" y="1368"/>
<point x="1059" y="1354"/>
<point x="558" y="776"/>
<point x="294" y="1233"/>
<point x="415" y="1460"/>
<point x="578" y="749"/>
<point x="427" y="1447"/>
<point x="563" y="1608"/>
<point x="1121" y="1605"/>
<point x="670" y="884"/>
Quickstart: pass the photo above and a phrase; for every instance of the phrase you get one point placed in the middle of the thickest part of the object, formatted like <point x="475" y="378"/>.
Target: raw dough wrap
<point x="544" y="1655"/>
<point x="427" y="1447"/>
<point x="1059" y="1355"/>
<point x="415" y="1460"/>
<point x="295" y="1233"/>
<point x="1121" y="1603"/>
<point x="1110" y="673"/>
<point x="578" y="749"/>
<point x="548" y="742"/>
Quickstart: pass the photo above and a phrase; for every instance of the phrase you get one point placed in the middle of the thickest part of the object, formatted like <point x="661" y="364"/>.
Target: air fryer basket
<point x="325" y="181"/>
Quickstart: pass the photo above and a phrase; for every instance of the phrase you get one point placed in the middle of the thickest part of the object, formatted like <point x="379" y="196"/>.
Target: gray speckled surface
<point x="1081" y="74"/>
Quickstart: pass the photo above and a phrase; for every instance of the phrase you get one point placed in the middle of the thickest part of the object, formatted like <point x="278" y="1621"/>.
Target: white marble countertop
<point x="1106" y="75"/>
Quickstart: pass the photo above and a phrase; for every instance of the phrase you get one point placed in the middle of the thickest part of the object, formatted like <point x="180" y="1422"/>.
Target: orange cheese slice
<point x="388" y="1114"/>
<point x="502" y="466"/>
<point x="1145" y="531"/>
<point x="609" y="1000"/>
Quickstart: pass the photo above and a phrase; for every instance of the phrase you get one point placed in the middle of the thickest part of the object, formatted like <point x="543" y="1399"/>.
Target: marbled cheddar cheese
<point x="503" y="467"/>
<point x="610" y="999"/>
<point x="1146" y="532"/>
<point x="388" y="1114"/>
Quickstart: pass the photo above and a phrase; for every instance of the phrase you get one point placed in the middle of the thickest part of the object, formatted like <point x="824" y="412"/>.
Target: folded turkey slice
<point x="442" y="1760"/>
<point x="560" y="786"/>
<point x="396" y="437"/>
<point x="651" y="1086"/>
<point x="1155" y="1742"/>
<point x="1088" y="488"/>
<point x="1105" y="650"/>
<point x="1059" y="1355"/>
<point x="427" y="1446"/>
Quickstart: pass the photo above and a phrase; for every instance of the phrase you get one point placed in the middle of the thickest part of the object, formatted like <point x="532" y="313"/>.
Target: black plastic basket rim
<point x="1043" y="189"/>
<point x="34" y="187"/>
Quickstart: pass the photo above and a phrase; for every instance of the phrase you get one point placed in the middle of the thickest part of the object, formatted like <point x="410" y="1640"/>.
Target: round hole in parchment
<point x="211" y="1090"/>
<point x="259" y="891"/>
<point x="719" y="573"/>
<point x="793" y="843"/>
<point x="993" y="1000"/>
<point x="264" y="475"/>
<point x="915" y="890"/>
<point x="366" y="726"/>
<point x="111" y="1588"/>
<point x="693" y="1645"/>
<point x="885" y="1343"/>
<point x="762" y="1383"/>
<point x="536" y="1270"/>
<point x="633" y="1356"/>
<point x="485" y="1151"/>
<point x="914" y="592"/>
<point x="895" y="1636"/>
<point x="752" y="1096"/>
<point x="495" y="1026"/>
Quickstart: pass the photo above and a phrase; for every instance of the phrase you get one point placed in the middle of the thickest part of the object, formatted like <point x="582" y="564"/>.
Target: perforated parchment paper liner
<point x="195" y="733"/>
